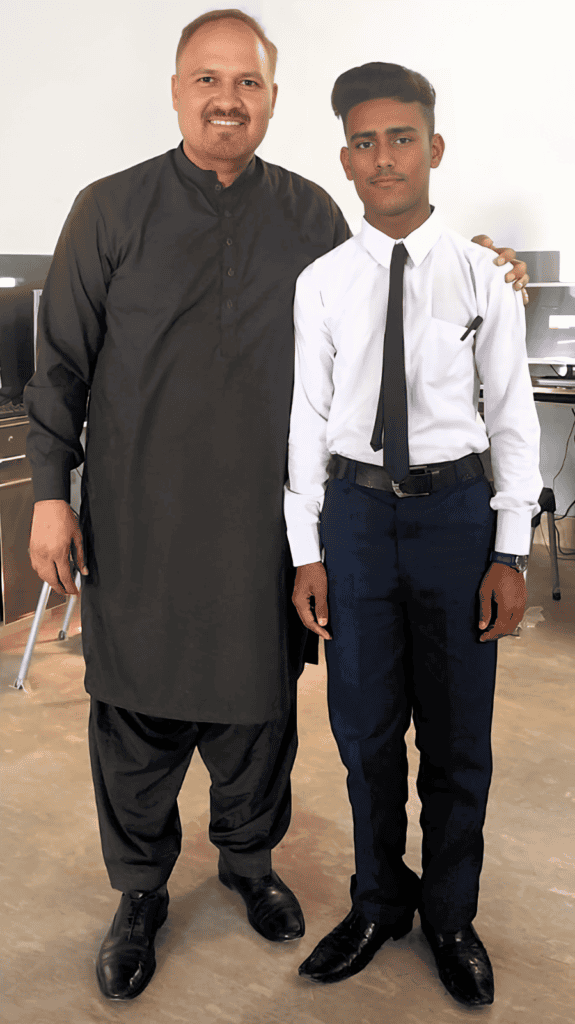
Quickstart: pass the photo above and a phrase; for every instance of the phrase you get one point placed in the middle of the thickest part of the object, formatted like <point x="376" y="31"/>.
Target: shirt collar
<point x="418" y="243"/>
<point x="207" y="180"/>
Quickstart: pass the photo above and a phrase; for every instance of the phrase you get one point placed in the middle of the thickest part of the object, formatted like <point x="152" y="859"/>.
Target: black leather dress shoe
<point x="463" y="965"/>
<point x="350" y="946"/>
<point x="127" y="960"/>
<point x="273" y="910"/>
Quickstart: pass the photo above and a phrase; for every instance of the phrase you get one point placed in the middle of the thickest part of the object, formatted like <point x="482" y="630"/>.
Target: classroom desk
<point x="561" y="394"/>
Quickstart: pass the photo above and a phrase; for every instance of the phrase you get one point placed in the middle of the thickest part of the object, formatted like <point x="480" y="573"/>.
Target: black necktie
<point x="392" y="406"/>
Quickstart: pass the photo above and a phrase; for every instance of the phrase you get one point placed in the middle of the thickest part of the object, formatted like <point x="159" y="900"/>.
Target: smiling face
<point x="224" y="96"/>
<point x="388" y="157"/>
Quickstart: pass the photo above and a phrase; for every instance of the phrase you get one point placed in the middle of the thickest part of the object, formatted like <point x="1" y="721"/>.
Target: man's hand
<point x="311" y="582"/>
<point x="507" y="588"/>
<point x="54" y="529"/>
<point x="518" y="275"/>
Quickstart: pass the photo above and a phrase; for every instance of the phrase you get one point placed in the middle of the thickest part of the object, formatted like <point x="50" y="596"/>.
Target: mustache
<point x="228" y="115"/>
<point x="388" y="177"/>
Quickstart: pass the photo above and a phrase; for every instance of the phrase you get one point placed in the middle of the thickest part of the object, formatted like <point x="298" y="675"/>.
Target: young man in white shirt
<point x="385" y="475"/>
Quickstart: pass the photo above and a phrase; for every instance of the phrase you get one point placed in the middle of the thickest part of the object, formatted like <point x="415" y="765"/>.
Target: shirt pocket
<point x="445" y="356"/>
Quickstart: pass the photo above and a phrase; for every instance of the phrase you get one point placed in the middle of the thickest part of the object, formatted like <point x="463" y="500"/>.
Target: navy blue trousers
<point x="403" y="578"/>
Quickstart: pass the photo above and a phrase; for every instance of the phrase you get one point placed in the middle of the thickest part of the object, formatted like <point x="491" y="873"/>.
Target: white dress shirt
<point x="340" y="313"/>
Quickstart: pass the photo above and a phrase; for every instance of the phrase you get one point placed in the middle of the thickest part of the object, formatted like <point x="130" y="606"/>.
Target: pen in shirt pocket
<point x="472" y="327"/>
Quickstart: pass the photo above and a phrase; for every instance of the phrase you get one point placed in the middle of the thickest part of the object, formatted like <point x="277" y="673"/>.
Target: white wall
<point x="85" y="91"/>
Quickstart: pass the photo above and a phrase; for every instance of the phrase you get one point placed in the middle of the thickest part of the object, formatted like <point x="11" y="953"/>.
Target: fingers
<point x="48" y="574"/>
<point x="305" y="612"/>
<point x="66" y="576"/>
<point x="484" y="605"/>
<point x="507" y="588"/>
<point x="54" y="529"/>
<point x="504" y="625"/>
<point x="78" y="545"/>
<point x="57" y="573"/>
<point x="506" y="255"/>
<point x="483" y="240"/>
<point x="518" y="274"/>
<point x="311" y="589"/>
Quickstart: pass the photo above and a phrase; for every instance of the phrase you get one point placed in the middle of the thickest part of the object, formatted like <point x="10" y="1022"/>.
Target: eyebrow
<point x="214" y="71"/>
<point x="388" y="131"/>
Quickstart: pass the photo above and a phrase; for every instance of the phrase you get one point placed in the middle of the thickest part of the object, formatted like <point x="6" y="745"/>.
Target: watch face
<point x="521" y="563"/>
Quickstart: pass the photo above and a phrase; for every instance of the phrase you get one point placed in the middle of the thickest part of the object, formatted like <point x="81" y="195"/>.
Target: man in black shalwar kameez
<point x="168" y="306"/>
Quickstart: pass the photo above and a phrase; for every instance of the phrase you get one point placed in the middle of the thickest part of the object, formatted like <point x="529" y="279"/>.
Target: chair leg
<point x="62" y="635"/>
<point x="18" y="683"/>
<point x="553" y="555"/>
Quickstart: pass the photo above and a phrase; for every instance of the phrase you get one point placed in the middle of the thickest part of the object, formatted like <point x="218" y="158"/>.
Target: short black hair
<point x="382" y="81"/>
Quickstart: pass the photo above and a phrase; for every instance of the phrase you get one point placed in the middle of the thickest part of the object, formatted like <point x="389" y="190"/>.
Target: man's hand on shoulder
<point x="518" y="275"/>
<point x="54" y="529"/>
<point x="311" y="582"/>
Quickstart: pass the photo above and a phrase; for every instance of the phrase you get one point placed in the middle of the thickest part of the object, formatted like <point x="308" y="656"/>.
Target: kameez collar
<point x="207" y="181"/>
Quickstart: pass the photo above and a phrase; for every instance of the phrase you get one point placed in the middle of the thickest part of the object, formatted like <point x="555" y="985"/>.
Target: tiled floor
<point x="212" y="967"/>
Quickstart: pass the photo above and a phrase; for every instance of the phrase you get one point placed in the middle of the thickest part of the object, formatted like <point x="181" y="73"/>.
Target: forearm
<point x="71" y="328"/>
<point x="514" y="435"/>
<point x="302" y="514"/>
<point x="308" y="452"/>
<point x="510" y="417"/>
<point x="53" y="447"/>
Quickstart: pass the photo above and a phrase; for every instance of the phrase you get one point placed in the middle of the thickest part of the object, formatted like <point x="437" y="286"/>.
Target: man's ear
<point x="274" y="98"/>
<point x="344" y="157"/>
<point x="175" y="92"/>
<point x="437" y="150"/>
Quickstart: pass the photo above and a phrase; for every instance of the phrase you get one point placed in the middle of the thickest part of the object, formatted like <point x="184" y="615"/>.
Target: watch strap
<point x="518" y="562"/>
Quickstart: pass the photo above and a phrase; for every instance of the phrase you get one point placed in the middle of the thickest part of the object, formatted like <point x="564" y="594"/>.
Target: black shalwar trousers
<point x="138" y="765"/>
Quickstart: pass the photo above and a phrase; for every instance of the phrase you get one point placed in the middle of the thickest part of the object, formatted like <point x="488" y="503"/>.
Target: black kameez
<point x="169" y="303"/>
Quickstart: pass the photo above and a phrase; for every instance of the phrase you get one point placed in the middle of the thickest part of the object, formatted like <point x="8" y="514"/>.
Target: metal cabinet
<point x="20" y="584"/>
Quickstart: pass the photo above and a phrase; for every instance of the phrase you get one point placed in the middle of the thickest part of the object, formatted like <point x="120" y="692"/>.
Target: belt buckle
<point x="403" y="494"/>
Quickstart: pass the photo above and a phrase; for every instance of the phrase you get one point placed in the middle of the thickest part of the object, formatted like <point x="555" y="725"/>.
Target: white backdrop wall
<point x="85" y="91"/>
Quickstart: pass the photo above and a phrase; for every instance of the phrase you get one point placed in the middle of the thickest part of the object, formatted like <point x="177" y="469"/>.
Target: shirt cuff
<point x="305" y="545"/>
<point x="52" y="483"/>
<point x="513" y="535"/>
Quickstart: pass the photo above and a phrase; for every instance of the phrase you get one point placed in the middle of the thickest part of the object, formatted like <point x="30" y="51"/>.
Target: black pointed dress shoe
<point x="463" y="965"/>
<point x="273" y="910"/>
<point x="127" y="960"/>
<point x="350" y="946"/>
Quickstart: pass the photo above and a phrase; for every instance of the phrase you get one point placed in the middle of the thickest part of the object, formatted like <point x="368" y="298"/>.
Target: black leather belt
<point x="422" y="480"/>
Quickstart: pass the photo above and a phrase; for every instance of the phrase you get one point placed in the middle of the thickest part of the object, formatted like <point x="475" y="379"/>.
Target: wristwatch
<point x="518" y="562"/>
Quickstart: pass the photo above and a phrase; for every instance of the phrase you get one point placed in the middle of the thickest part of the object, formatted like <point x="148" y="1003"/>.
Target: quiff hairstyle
<point x="231" y="12"/>
<point x="382" y="81"/>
